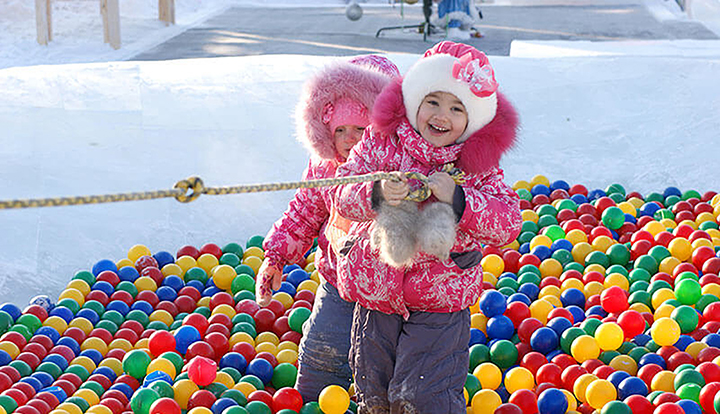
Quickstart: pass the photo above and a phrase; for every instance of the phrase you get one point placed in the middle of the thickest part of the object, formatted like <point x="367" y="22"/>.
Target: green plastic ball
<point x="297" y="318"/>
<point x="284" y="375"/>
<point x="688" y="292"/>
<point x="613" y="218"/>
<point x="503" y="353"/>
<point x="135" y="363"/>
<point x="143" y="399"/>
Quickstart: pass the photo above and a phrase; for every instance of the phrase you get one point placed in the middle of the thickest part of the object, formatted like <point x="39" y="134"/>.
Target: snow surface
<point x="645" y="122"/>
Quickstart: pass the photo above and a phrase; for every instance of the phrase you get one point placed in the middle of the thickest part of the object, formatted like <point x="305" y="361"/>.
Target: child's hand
<point x="395" y="191"/>
<point x="442" y="186"/>
<point x="268" y="276"/>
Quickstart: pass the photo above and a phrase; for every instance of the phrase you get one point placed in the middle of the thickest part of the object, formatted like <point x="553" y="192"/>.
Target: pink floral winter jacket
<point x="310" y="212"/>
<point x="491" y="212"/>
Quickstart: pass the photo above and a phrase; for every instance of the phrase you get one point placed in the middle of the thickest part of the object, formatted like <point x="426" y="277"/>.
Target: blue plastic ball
<point x="500" y="327"/>
<point x="530" y="290"/>
<point x="652" y="359"/>
<point x="261" y="368"/>
<point x="234" y="360"/>
<point x="552" y="401"/>
<point x="163" y="258"/>
<point x="174" y="282"/>
<point x="297" y="276"/>
<point x="104" y="287"/>
<point x="43" y="301"/>
<point x="690" y="407"/>
<point x="128" y="274"/>
<point x="104" y="265"/>
<point x="143" y="306"/>
<point x="560" y="185"/>
<point x="617" y="377"/>
<point x="544" y="340"/>
<point x="492" y="303"/>
<point x="542" y="252"/>
<point x="577" y="312"/>
<point x="574" y="297"/>
<point x="559" y="325"/>
<point x="184" y="337"/>
<point x="632" y="386"/>
<point x="222" y="404"/>
<point x="476" y="337"/>
<point x="519" y="297"/>
<point x="712" y="340"/>
<point x="118" y="306"/>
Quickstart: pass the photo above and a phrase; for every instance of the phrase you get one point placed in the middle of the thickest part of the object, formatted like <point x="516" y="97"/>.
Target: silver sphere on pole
<point x="354" y="11"/>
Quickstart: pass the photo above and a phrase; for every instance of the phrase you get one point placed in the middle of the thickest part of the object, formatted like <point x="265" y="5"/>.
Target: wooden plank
<point x="166" y="11"/>
<point x="110" y="10"/>
<point x="42" y="21"/>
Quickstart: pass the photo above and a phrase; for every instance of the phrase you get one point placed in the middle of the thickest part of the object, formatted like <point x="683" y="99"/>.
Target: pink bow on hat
<point x="477" y="73"/>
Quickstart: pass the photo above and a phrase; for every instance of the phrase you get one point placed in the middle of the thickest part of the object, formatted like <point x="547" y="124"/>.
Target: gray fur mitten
<point x="394" y="233"/>
<point x="436" y="230"/>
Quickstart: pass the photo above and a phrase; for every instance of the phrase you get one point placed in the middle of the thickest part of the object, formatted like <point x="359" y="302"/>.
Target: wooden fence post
<point x="111" y="22"/>
<point x="43" y="20"/>
<point x="166" y="11"/>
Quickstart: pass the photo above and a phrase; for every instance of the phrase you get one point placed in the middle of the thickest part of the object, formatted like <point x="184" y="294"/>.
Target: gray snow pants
<point x="410" y="366"/>
<point x="324" y="347"/>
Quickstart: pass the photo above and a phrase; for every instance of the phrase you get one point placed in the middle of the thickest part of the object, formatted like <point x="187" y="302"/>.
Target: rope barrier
<point x="192" y="188"/>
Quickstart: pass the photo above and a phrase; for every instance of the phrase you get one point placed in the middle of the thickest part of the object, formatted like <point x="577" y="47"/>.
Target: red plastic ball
<point x="527" y="328"/>
<point x="103" y="334"/>
<point x="36" y="310"/>
<point x="127" y="334"/>
<point x="563" y="361"/>
<point x="639" y="404"/>
<point x="148" y="296"/>
<point x="707" y="397"/>
<point x="108" y="276"/>
<point x="711" y="266"/>
<point x="708" y="354"/>
<point x="668" y="408"/>
<point x="122" y="296"/>
<point x="198" y="321"/>
<point x="648" y="372"/>
<point x="526" y="400"/>
<point x="218" y="329"/>
<point x="144" y="262"/>
<point x="247" y="306"/>
<point x="41" y="406"/>
<point x="200" y="348"/>
<point x="115" y="405"/>
<point x="508" y="408"/>
<point x="264" y="320"/>
<point x="218" y="342"/>
<point x="287" y="398"/>
<point x="570" y="374"/>
<point x="5" y="382"/>
<point x="517" y="312"/>
<point x="262" y="396"/>
<point x="165" y="406"/>
<point x="533" y="361"/>
<point x="202" y="398"/>
<point x="603" y="372"/>
<point x="679" y="358"/>
<point x="701" y="255"/>
<point x="161" y="342"/>
<point x="614" y="299"/>
<point x="188" y="250"/>
<point x="280" y="326"/>
<point x="549" y="373"/>
<point x="632" y="323"/>
<point x="245" y="349"/>
<point x="17" y="395"/>
<point x="709" y="371"/>
<point x="29" y="358"/>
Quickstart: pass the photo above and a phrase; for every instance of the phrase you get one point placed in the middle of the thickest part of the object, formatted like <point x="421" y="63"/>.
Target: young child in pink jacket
<point x="331" y="116"/>
<point x="414" y="268"/>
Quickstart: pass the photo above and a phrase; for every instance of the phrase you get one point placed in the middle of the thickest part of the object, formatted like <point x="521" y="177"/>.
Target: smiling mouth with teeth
<point x="439" y="128"/>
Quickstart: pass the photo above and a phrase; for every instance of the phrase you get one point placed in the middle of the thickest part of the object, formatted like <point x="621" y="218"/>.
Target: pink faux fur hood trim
<point x="481" y="151"/>
<point x="335" y="81"/>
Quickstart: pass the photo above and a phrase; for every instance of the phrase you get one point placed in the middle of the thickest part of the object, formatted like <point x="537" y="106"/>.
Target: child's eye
<point x="458" y="109"/>
<point x="339" y="130"/>
<point x="432" y="102"/>
<point x="361" y="129"/>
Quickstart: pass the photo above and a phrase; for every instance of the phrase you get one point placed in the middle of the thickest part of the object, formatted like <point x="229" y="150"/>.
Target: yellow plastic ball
<point x="554" y="301"/>
<point x="267" y="336"/>
<point x="10" y="348"/>
<point x="594" y="268"/>
<point x="254" y="251"/>
<point x="551" y="267"/>
<point x="162" y="365"/>
<point x="334" y="399"/>
<point x="519" y="378"/>
<point x="120" y="343"/>
<point x="144" y="283"/>
<point x="254" y="262"/>
<point x="700" y="243"/>
<point x="640" y="307"/>
<point x="73" y="294"/>
<point x="668" y="223"/>
<point x="70" y="408"/>
<point x="521" y="184"/>
<point x="309" y="259"/>
<point x="581" y="385"/>
<point x="624" y="363"/>
<point x="665" y="331"/>
<point x="479" y="321"/>
<point x="184" y="389"/>
<point x="636" y="202"/>
<point x="703" y="217"/>
<point x="200" y="410"/>
<point x="124" y="263"/>
<point x="661" y="296"/>
<point x="580" y="251"/>
<point x="284" y="298"/>
<point x="241" y="337"/>
<point x="207" y="262"/>
<point x="490" y="278"/>
<point x="576" y="236"/>
<point x="616" y="279"/>
<point x="287" y="345"/>
<point x="98" y="409"/>
<point x="609" y="336"/>
<point x="514" y="245"/>
<point x="602" y="243"/>
<point x="315" y="276"/>
<point x="225" y="379"/>
<point x="711" y="288"/>
<point x="540" y="240"/>
<point x="540" y="309"/>
<point x="83" y="324"/>
<point x="694" y="348"/>
<point x="87" y="395"/>
<point x="287" y="355"/>
<point x="224" y="276"/>
<point x="489" y="375"/>
<point x="690" y="223"/>
<point x="137" y="252"/>
<point x="654" y="228"/>
<point x="663" y="381"/>
<point x="668" y="265"/>
<point x="599" y="393"/>
<point x="549" y="290"/>
<point x="224" y="309"/>
<point x="245" y="387"/>
<point x="572" y="284"/>
<point x="485" y="402"/>
<point x="266" y="347"/>
<point x="80" y="285"/>
<point x="162" y="316"/>
<point x="664" y="311"/>
<point x="114" y="364"/>
<point x="680" y="248"/>
<point x="96" y="344"/>
<point x="143" y="345"/>
<point x="530" y="215"/>
<point x="583" y="348"/>
<point x="310" y="285"/>
<point x="572" y="402"/>
<point x="593" y="288"/>
<point x="628" y="208"/>
<point x="493" y="263"/>
<point x="84" y="362"/>
<point x="172" y="269"/>
<point x="539" y="179"/>
<point x="56" y="323"/>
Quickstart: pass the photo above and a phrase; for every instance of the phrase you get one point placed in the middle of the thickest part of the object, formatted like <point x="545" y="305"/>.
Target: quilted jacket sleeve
<point x="292" y="235"/>
<point x="354" y="201"/>
<point x="492" y="210"/>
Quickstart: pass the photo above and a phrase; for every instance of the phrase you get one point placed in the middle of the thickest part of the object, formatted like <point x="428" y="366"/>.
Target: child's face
<point x="346" y="136"/>
<point x="441" y="118"/>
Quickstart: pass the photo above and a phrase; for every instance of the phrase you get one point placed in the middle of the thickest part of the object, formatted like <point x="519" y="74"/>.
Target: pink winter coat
<point x="308" y="212"/>
<point x="491" y="214"/>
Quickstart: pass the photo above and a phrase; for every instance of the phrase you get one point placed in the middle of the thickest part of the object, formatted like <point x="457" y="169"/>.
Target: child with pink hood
<point x="331" y="116"/>
<point x="414" y="268"/>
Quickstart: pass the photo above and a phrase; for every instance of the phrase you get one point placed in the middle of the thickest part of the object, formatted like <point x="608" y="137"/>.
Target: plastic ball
<point x="492" y="303"/>
<point x="609" y="336"/>
<point x="165" y="406"/>
<point x="552" y="401"/>
<point x="485" y="402"/>
<point x="599" y="393"/>
<point x="665" y="332"/>
<point x="519" y="378"/>
<point x="202" y="371"/>
<point x="334" y="399"/>
<point x="584" y="348"/>
<point x="135" y="363"/>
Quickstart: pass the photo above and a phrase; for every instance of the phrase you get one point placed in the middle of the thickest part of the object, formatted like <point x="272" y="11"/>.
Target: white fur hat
<point x="458" y="69"/>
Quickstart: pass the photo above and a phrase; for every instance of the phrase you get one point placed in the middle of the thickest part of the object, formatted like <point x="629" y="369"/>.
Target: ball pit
<point x="607" y="302"/>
